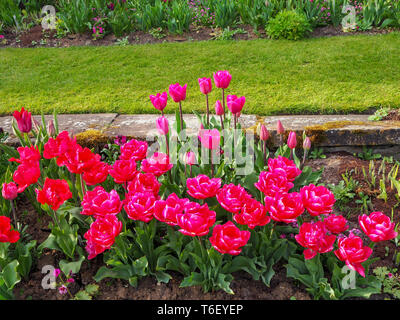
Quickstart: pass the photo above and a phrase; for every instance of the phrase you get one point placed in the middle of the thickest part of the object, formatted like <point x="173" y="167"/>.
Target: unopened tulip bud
<point x="279" y="127"/>
<point x="190" y="158"/>
<point x="162" y="125"/>
<point x="264" y="134"/>
<point x="36" y="125"/>
<point x="307" y="144"/>
<point x="292" y="141"/>
<point x="51" y="130"/>
<point x="219" y="110"/>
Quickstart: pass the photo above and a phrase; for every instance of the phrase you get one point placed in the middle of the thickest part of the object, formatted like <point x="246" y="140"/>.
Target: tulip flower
<point x="219" y="111"/>
<point x="24" y="120"/>
<point x="264" y="135"/>
<point x="134" y="150"/>
<point x="210" y="138"/>
<point x="51" y="130"/>
<point x="235" y="105"/>
<point x="292" y="142"/>
<point x="222" y="80"/>
<point x="54" y="193"/>
<point x="6" y="234"/>
<point x="205" y="88"/>
<point x="271" y="182"/>
<point x="279" y="128"/>
<point x="162" y="126"/>
<point x="228" y="238"/>
<point x="159" y="101"/>
<point x="10" y="192"/>
<point x="202" y="187"/>
<point x="317" y="200"/>
<point x="284" y="163"/>
<point x="377" y="226"/>
<point x="178" y="94"/>
<point x="306" y="147"/>
<point x="190" y="158"/>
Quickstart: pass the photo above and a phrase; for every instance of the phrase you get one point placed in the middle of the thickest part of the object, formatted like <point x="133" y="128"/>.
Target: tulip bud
<point x="205" y="85"/>
<point x="9" y="191"/>
<point x="36" y="125"/>
<point x="219" y="110"/>
<point x="279" y="127"/>
<point x="292" y="142"/>
<point x="162" y="125"/>
<point x="264" y="134"/>
<point x="51" y="130"/>
<point x="24" y="120"/>
<point x="190" y="158"/>
<point x="307" y="144"/>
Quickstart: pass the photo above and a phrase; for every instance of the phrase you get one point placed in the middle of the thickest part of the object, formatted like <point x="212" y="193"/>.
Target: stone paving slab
<point x="331" y="131"/>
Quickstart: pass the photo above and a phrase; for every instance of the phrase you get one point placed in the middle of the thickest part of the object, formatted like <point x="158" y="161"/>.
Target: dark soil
<point x="37" y="37"/>
<point x="245" y="288"/>
<point x="393" y="115"/>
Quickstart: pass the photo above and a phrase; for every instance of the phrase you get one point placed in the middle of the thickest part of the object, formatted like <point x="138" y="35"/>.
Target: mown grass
<point x="324" y="75"/>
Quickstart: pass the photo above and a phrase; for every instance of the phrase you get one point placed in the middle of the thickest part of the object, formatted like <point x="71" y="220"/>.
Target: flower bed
<point x="191" y="210"/>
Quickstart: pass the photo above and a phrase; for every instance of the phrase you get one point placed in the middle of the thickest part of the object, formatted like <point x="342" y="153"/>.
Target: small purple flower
<point x="282" y="236"/>
<point x="1" y="36"/>
<point x="57" y="272"/>
<point x="110" y="6"/>
<point x="70" y="280"/>
<point x="390" y="275"/>
<point x="62" y="289"/>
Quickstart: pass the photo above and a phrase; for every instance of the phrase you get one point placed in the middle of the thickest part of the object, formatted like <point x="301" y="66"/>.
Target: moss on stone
<point x="91" y="138"/>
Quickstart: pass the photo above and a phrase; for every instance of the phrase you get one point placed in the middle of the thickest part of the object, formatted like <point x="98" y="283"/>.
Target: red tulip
<point x="222" y="79"/>
<point x="134" y="150"/>
<point x="232" y="198"/>
<point x="317" y="200"/>
<point x="377" y="226"/>
<point x="336" y="223"/>
<point x="313" y="236"/>
<point x="98" y="173"/>
<point x="228" y="238"/>
<point x="157" y="164"/>
<point x="9" y="191"/>
<point x="57" y="147"/>
<point x="196" y="219"/>
<point x="252" y="214"/>
<point x="26" y="175"/>
<point x="272" y="182"/>
<point x="123" y="171"/>
<point x="284" y="207"/>
<point x="264" y="134"/>
<point x="353" y="252"/>
<point x="54" y="193"/>
<point x="140" y="206"/>
<point x="219" y="109"/>
<point x="177" y="92"/>
<point x="100" y="203"/>
<point x="159" y="101"/>
<point x="235" y="104"/>
<point x="78" y="160"/>
<point x="279" y="127"/>
<point x="101" y="235"/>
<point x="6" y="234"/>
<point x="286" y="164"/>
<point x="292" y="142"/>
<point x="202" y="187"/>
<point x="167" y="210"/>
<point x="162" y="125"/>
<point x="27" y="155"/>
<point x="24" y="120"/>
<point x="144" y="182"/>
<point x="205" y="85"/>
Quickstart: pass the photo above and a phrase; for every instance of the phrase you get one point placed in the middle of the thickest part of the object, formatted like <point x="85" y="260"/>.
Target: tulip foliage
<point x="203" y="205"/>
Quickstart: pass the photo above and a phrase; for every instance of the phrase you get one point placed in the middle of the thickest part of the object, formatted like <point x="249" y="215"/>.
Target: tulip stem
<point x="304" y="158"/>
<point x="190" y="172"/>
<point x="234" y="120"/>
<point x="14" y="215"/>
<point x="211" y="162"/>
<point x="265" y="152"/>
<point x="167" y="143"/>
<point x="223" y="101"/>
<point x="291" y="154"/>
<point x="208" y="111"/>
<point x="55" y="218"/>
<point x="222" y="123"/>
<point x="181" y="116"/>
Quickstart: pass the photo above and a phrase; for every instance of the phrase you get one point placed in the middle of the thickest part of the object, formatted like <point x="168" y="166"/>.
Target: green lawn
<point x="325" y="75"/>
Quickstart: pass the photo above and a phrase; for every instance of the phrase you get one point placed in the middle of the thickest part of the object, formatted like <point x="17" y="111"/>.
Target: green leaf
<point x="73" y="266"/>
<point x="194" y="279"/>
<point x="10" y="274"/>
<point x="92" y="289"/>
<point x="49" y="243"/>
<point x="162" y="276"/>
<point x="83" y="295"/>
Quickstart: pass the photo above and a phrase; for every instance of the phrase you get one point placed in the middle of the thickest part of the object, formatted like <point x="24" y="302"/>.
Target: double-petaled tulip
<point x="99" y="202"/>
<point x="252" y="214"/>
<point x="144" y="182"/>
<point x="353" y="252"/>
<point x="232" y="198"/>
<point x="203" y="187"/>
<point x="27" y="155"/>
<point x="228" y="238"/>
<point x="157" y="164"/>
<point x="235" y="104"/>
<point x="272" y="182"/>
<point x="292" y="141"/>
<point x="26" y="175"/>
<point x="140" y="206"/>
<point x="98" y="173"/>
<point x="222" y="79"/>
<point x="6" y="234"/>
<point x="314" y="237"/>
<point x="336" y="223"/>
<point x="9" y="191"/>
<point x="134" y="150"/>
<point x="377" y="226"/>
<point x="59" y="146"/>
<point x="196" y="219"/>
<point x="177" y="92"/>
<point x="317" y="200"/>
<point x="286" y="164"/>
<point x="24" y="120"/>
<point x="54" y="193"/>
<point x="101" y="235"/>
<point x="78" y="160"/>
<point x="205" y="85"/>
<point x="123" y="171"/>
<point x="159" y="100"/>
<point x="210" y="139"/>
<point x="162" y="125"/>
<point x="284" y="207"/>
<point x="167" y="210"/>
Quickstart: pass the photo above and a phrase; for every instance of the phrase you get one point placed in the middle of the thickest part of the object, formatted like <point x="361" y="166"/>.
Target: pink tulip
<point x="264" y="134"/>
<point x="205" y="85"/>
<point x="222" y="79"/>
<point x="235" y="104"/>
<point x="307" y="144"/>
<point x="159" y="101"/>
<point x="292" y="142"/>
<point x="219" y="110"/>
<point x="190" y="158"/>
<point x="279" y="127"/>
<point x="210" y="139"/>
<point x="9" y="191"/>
<point x="162" y="125"/>
<point x="177" y="92"/>
<point x="24" y="120"/>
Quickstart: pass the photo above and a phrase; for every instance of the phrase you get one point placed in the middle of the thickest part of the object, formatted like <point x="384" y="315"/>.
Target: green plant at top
<point x="179" y="17"/>
<point x="157" y="33"/>
<point x="75" y="14"/>
<point x="120" y="19"/>
<point x="379" y="114"/>
<point x="317" y="153"/>
<point x="288" y="25"/>
<point x="374" y="13"/>
<point x="226" y="13"/>
<point x="343" y="192"/>
<point x="367" y="154"/>
<point x="311" y="9"/>
<point x="10" y="14"/>
<point x="151" y="16"/>
<point x="255" y="12"/>
<point x="390" y="281"/>
<point x="227" y="33"/>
